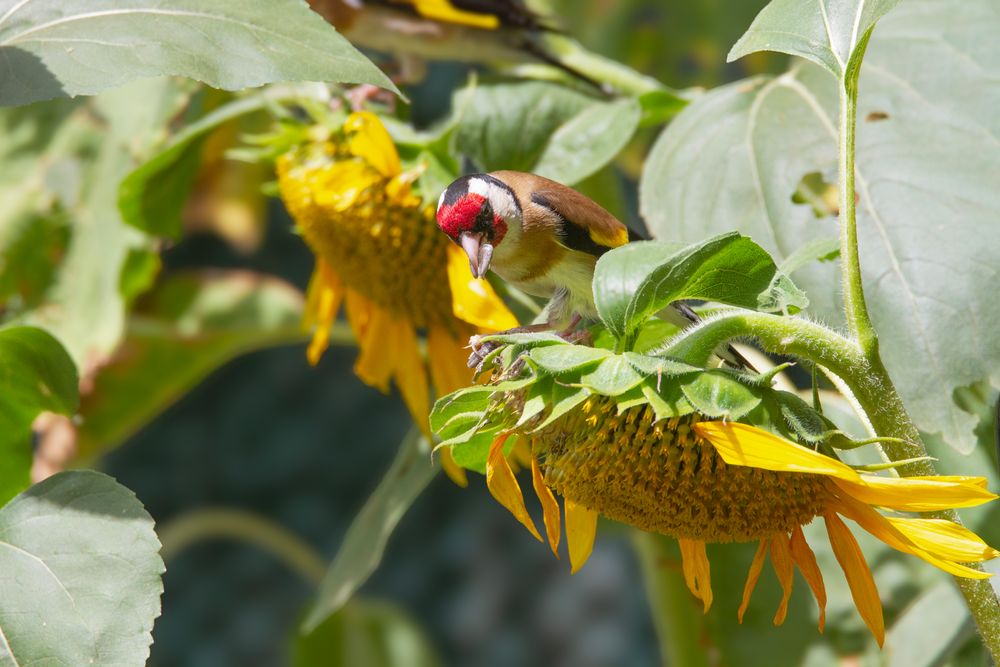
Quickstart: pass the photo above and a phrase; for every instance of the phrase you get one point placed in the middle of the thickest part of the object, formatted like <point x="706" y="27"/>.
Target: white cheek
<point x="478" y="186"/>
<point x="441" y="199"/>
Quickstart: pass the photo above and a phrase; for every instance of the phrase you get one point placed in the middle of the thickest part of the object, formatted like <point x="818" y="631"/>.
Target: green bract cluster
<point x="635" y="358"/>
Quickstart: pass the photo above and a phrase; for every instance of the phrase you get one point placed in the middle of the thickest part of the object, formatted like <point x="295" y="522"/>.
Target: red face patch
<point x="460" y="216"/>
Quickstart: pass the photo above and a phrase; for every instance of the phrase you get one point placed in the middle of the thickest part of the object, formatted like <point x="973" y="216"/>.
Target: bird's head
<point x="476" y="212"/>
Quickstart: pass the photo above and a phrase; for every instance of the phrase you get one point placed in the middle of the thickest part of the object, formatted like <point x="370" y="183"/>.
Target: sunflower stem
<point x="867" y="378"/>
<point x="678" y="622"/>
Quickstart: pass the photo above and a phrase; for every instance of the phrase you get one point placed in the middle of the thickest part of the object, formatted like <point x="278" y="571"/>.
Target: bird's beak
<point x="479" y="253"/>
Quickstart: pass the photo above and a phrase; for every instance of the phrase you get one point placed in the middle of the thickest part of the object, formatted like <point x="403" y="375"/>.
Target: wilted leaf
<point x="57" y="48"/>
<point x="363" y="545"/>
<point x="80" y="578"/>
<point x="365" y="632"/>
<point x="192" y="324"/>
<point x="927" y="209"/>
<point x="36" y="375"/>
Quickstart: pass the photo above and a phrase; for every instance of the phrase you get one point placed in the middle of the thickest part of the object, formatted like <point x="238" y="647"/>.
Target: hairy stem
<point x="856" y="309"/>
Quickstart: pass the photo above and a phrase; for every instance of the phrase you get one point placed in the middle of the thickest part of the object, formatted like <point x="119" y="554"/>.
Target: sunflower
<point x="379" y="254"/>
<point x="641" y="453"/>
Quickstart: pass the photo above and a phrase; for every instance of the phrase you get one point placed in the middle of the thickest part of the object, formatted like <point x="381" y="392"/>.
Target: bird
<point x="462" y="30"/>
<point x="544" y="238"/>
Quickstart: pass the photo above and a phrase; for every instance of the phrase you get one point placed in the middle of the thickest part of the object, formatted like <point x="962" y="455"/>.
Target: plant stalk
<point x="678" y="623"/>
<point x="856" y="309"/>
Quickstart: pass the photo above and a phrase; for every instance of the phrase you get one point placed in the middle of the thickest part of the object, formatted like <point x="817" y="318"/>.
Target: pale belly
<point x="567" y="285"/>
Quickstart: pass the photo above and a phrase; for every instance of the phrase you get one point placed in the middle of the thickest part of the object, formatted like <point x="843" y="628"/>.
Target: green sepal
<point x="668" y="401"/>
<point x="613" y="377"/>
<point x="562" y="400"/>
<point x="564" y="358"/>
<point x="717" y="393"/>
<point x="535" y="401"/>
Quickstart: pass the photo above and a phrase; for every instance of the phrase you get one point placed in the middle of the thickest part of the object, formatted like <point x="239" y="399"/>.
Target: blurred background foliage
<point x="208" y="401"/>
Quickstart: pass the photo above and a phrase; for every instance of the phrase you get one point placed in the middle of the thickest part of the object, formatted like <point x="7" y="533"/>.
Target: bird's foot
<point x="482" y="349"/>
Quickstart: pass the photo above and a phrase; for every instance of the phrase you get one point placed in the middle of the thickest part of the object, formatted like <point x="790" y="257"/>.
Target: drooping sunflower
<point x="653" y="443"/>
<point x="379" y="254"/>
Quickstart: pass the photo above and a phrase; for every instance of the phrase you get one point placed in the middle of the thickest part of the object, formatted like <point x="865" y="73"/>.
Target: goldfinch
<point x="463" y="30"/>
<point x="542" y="237"/>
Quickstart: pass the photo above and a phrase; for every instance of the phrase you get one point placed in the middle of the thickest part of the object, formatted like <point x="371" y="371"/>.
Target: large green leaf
<point x="365" y="632"/>
<point x="827" y="32"/>
<point x="80" y="578"/>
<point x="364" y="544"/>
<point x="544" y="127"/>
<point x="928" y="202"/>
<point x="58" y="48"/>
<point x="633" y="284"/>
<point x="189" y="326"/>
<point x="36" y="375"/>
<point x="588" y="141"/>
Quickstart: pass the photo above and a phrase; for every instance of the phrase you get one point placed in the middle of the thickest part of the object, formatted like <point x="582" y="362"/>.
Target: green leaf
<point x="588" y="141"/>
<point x="472" y="452"/>
<point x="510" y="125"/>
<point x="717" y="394"/>
<point x="58" y="48"/>
<point x="620" y="272"/>
<point x="192" y="324"/>
<point x="613" y="377"/>
<point x="536" y="399"/>
<point x="81" y="574"/>
<point x="927" y="209"/>
<point x="827" y="32"/>
<point x="566" y="358"/>
<point x="363" y="545"/>
<point x="822" y="250"/>
<point x="36" y="374"/>
<point x="365" y="632"/>
<point x="728" y="268"/>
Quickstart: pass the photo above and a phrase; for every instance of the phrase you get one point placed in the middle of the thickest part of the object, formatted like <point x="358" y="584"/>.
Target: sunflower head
<point x="379" y="253"/>
<point x="704" y="455"/>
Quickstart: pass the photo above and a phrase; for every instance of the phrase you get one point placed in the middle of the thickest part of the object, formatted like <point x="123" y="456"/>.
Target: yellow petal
<point x="322" y="302"/>
<point x="781" y="559"/>
<point x="805" y="559"/>
<point x="473" y="300"/>
<point x="447" y="360"/>
<point x="697" y="572"/>
<point x="411" y="375"/>
<point x="335" y="188"/>
<point x="503" y="485"/>
<point x="752" y="576"/>
<point x="359" y="313"/>
<point x="946" y="539"/>
<point x="923" y="494"/>
<point x="880" y="527"/>
<point x="455" y="472"/>
<point x="550" y="508"/>
<point x="859" y="576"/>
<point x="741" y="444"/>
<point x="581" y="527"/>
<point x="442" y="10"/>
<point x="379" y="347"/>
<point x="369" y="140"/>
<point x="744" y="445"/>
